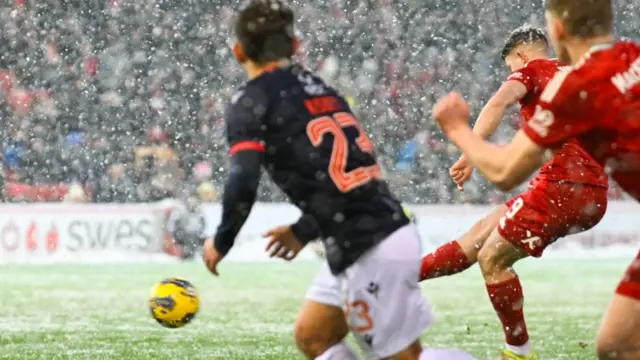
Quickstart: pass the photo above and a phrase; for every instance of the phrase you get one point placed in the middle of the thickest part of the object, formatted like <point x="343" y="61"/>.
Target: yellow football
<point x="174" y="302"/>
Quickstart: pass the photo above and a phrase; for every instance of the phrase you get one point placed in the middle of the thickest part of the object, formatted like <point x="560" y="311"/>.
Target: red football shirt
<point x="570" y="163"/>
<point x="597" y="102"/>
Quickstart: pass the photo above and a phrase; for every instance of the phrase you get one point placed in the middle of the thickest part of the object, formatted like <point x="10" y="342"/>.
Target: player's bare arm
<point x="505" y="166"/>
<point x="488" y="121"/>
<point x="491" y="115"/>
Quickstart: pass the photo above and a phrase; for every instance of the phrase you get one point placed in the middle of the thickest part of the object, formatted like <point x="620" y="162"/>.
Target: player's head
<point x="571" y="22"/>
<point x="524" y="44"/>
<point x="264" y="33"/>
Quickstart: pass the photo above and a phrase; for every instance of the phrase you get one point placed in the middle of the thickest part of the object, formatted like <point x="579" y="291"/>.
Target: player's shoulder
<point x="251" y="95"/>
<point x="533" y="70"/>
<point x="248" y="104"/>
<point x="591" y="78"/>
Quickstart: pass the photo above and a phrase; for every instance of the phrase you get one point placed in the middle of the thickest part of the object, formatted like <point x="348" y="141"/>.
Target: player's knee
<point x="492" y="261"/>
<point x="608" y="347"/>
<point x="607" y="351"/>
<point x="313" y="340"/>
<point x="306" y="338"/>
<point x="487" y="260"/>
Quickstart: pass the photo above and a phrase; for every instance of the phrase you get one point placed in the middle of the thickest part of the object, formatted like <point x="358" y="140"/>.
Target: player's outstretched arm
<point x="240" y="192"/>
<point x="245" y="135"/>
<point x="504" y="166"/>
<point x="488" y="121"/>
<point x="238" y="198"/>
<point x="491" y="115"/>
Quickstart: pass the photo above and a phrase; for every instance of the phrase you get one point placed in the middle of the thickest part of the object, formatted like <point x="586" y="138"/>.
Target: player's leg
<point x="496" y="259"/>
<point x="385" y="307"/>
<point x="619" y="334"/>
<point x="506" y="245"/>
<point x="535" y="219"/>
<point x="321" y="326"/>
<point x="458" y="255"/>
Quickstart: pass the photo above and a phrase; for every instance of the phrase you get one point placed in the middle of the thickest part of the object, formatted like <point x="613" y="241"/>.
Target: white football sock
<point x="339" y="351"/>
<point x="522" y="350"/>
<point x="441" y="354"/>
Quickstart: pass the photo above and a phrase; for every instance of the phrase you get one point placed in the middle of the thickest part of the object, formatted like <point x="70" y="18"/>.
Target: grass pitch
<point x="100" y="311"/>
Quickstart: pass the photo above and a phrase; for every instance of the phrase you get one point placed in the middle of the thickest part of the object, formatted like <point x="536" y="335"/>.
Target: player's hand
<point x="283" y="243"/>
<point x="451" y="112"/>
<point x="461" y="172"/>
<point x="211" y="256"/>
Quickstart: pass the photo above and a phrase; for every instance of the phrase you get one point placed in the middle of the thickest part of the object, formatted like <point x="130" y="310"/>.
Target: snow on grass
<point x="99" y="311"/>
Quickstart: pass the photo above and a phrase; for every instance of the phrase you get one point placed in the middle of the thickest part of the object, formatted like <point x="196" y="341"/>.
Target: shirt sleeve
<point x="245" y="134"/>
<point x="245" y="120"/>
<point x="526" y="76"/>
<point x="239" y="195"/>
<point x="565" y="111"/>
<point x="306" y="229"/>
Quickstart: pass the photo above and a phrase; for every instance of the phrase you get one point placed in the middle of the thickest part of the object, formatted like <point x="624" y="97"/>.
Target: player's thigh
<point x="385" y="308"/>
<point x="620" y="328"/>
<point x="474" y="239"/>
<point x="321" y="321"/>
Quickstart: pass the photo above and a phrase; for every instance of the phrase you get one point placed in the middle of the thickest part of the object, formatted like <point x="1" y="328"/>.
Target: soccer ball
<point x="174" y="302"/>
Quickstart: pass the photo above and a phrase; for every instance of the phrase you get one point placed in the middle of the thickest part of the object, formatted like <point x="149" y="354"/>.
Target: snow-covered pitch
<point x="100" y="311"/>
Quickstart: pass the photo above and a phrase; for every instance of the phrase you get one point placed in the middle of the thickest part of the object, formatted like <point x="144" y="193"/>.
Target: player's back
<point x="317" y="153"/>
<point x="612" y="84"/>
<point x="598" y="102"/>
<point x="570" y="163"/>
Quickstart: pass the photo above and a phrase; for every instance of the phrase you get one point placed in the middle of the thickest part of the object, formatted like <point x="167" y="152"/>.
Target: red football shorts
<point x="630" y="284"/>
<point x="550" y="210"/>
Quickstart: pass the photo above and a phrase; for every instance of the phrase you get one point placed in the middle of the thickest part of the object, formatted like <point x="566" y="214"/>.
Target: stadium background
<point x="120" y="103"/>
<point x="125" y="98"/>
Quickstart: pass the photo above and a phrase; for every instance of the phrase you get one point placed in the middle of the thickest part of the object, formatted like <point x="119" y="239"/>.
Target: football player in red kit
<point x="596" y="102"/>
<point x="551" y="208"/>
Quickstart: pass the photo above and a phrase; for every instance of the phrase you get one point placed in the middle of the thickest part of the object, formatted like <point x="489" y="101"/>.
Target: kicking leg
<point x="619" y="334"/>
<point x="459" y="255"/>
<point x="496" y="259"/>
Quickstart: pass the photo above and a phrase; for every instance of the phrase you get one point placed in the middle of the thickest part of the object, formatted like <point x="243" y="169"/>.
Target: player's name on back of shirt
<point x="627" y="80"/>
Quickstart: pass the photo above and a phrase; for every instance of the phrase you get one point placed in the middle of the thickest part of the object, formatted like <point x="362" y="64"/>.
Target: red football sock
<point x="507" y="299"/>
<point x="448" y="259"/>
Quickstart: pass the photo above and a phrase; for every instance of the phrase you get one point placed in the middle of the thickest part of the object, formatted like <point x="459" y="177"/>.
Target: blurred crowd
<point x="122" y="100"/>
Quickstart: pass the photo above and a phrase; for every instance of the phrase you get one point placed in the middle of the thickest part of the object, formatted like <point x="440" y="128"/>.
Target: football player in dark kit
<point x="289" y="122"/>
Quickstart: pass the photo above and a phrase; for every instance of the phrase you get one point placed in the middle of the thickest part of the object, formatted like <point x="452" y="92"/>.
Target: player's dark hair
<point x="584" y="18"/>
<point x="264" y="29"/>
<point x="525" y="34"/>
